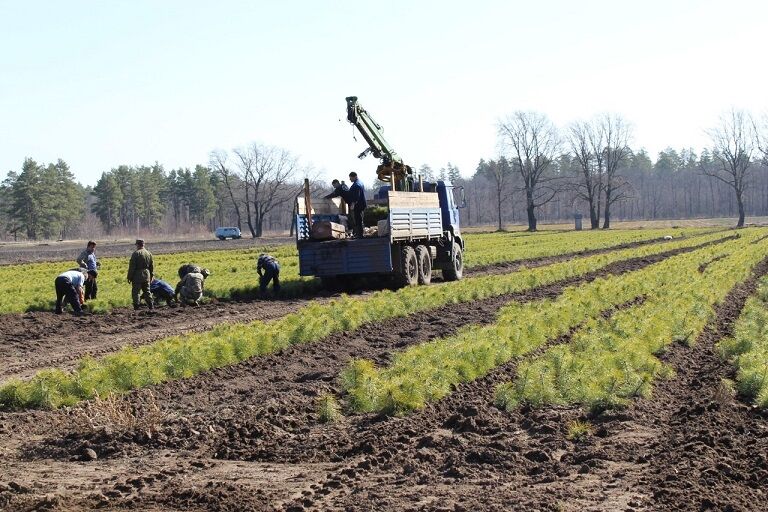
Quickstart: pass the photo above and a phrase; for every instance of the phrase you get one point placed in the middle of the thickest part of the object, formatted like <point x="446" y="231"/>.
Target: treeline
<point x="547" y="172"/>
<point x="542" y="173"/>
<point x="251" y="188"/>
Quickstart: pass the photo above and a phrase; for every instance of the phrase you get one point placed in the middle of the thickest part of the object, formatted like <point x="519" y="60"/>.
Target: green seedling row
<point x="747" y="349"/>
<point x="610" y="361"/>
<point x="184" y="356"/>
<point x="430" y="371"/>
<point x="234" y="271"/>
<point x="495" y="248"/>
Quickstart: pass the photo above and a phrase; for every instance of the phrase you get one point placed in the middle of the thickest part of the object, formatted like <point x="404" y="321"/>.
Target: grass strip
<point x="184" y="356"/>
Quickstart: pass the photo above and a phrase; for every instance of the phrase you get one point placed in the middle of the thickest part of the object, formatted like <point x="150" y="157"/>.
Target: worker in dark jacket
<point x="141" y="270"/>
<point x="356" y="199"/>
<point x="87" y="260"/>
<point x="188" y="269"/>
<point x="269" y="270"/>
<point x="339" y="190"/>
<point x="69" y="288"/>
<point x="163" y="291"/>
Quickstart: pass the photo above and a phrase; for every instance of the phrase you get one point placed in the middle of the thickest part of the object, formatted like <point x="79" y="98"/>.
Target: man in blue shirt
<point x="356" y="199"/>
<point x="69" y="288"/>
<point x="163" y="290"/>
<point x="87" y="260"/>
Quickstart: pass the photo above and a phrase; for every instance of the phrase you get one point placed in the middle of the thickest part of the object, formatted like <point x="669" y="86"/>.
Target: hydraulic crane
<point x="392" y="169"/>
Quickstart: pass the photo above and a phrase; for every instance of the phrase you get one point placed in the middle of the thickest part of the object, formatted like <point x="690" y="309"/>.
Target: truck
<point x="418" y="234"/>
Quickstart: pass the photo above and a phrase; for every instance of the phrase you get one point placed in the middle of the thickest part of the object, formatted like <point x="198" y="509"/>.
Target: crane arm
<point x="392" y="169"/>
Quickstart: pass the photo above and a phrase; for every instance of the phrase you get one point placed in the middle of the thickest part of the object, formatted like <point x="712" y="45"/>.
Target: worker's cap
<point x="93" y="273"/>
<point x="205" y="272"/>
<point x="139" y="241"/>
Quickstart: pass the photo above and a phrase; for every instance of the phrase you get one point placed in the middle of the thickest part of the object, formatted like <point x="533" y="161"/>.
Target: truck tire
<point x="425" y="264"/>
<point x="408" y="272"/>
<point x="222" y="238"/>
<point x="456" y="269"/>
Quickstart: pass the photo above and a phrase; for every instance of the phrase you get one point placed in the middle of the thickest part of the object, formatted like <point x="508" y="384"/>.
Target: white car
<point x="224" y="233"/>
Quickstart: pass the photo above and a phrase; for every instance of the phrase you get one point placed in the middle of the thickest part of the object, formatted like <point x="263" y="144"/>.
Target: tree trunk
<point x="594" y="220"/>
<point x="607" y="211"/>
<point x="740" y="202"/>
<point x="498" y="208"/>
<point x="530" y="210"/>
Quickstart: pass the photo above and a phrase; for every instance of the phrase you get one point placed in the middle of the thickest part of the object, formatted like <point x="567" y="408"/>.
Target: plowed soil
<point x="248" y="437"/>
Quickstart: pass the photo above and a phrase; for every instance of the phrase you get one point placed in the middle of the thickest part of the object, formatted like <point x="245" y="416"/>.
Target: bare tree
<point x="218" y="162"/>
<point x="616" y="133"/>
<point x="582" y="138"/>
<point x="268" y="173"/>
<point x="533" y="144"/>
<point x="734" y="141"/>
<point x="499" y="174"/>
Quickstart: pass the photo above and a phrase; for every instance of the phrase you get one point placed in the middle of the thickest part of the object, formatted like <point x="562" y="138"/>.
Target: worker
<point x="188" y="269"/>
<point x="141" y="270"/>
<point x="269" y="270"/>
<point x="88" y="261"/>
<point x="69" y="288"/>
<point x="191" y="287"/>
<point x="356" y="199"/>
<point x="163" y="291"/>
<point x="339" y="190"/>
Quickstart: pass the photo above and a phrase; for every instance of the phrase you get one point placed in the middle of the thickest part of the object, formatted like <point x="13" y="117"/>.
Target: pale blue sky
<point x="129" y="82"/>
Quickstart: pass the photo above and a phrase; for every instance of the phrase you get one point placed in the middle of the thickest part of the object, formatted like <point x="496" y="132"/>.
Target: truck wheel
<point x="222" y="238"/>
<point x="408" y="273"/>
<point x="425" y="264"/>
<point x="456" y="269"/>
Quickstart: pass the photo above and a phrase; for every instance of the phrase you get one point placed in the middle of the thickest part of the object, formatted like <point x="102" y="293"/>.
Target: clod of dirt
<point x="89" y="454"/>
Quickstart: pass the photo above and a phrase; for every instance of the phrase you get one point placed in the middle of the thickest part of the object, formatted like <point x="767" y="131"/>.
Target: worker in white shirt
<point x="70" y="288"/>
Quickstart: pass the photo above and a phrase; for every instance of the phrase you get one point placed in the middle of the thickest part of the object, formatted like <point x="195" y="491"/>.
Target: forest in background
<point x="541" y="173"/>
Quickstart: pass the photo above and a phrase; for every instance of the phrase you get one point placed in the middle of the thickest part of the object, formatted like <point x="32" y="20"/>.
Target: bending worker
<point x="162" y="291"/>
<point x="141" y="270"/>
<point x="191" y="287"/>
<point x="339" y="190"/>
<point x="269" y="270"/>
<point x="69" y="288"/>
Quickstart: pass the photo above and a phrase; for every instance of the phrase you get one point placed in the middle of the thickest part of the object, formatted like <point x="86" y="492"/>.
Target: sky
<point x="104" y="83"/>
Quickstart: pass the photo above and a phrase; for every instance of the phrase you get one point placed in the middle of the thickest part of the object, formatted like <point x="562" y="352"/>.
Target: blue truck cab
<point x="420" y="234"/>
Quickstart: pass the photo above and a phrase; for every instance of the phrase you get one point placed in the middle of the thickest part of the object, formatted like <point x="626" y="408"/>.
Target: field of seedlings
<point x="608" y="370"/>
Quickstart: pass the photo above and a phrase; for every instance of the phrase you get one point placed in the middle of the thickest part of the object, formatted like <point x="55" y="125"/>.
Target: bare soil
<point x="248" y="437"/>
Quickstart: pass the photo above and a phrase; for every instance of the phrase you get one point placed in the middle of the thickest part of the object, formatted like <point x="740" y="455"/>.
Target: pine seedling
<point x="579" y="430"/>
<point x="328" y="409"/>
